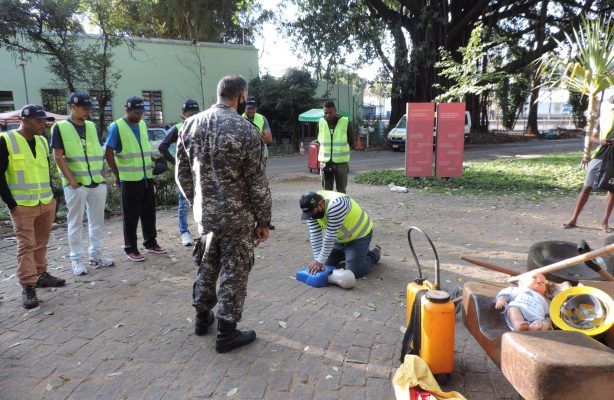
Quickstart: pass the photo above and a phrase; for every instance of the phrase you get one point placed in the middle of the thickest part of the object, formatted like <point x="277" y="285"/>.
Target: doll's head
<point x="535" y="282"/>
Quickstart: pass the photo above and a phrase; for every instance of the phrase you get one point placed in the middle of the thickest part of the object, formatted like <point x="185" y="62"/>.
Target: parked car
<point x="396" y="137"/>
<point x="156" y="136"/>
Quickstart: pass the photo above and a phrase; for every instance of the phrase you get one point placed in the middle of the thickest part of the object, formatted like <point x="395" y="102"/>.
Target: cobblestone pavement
<point x="126" y="332"/>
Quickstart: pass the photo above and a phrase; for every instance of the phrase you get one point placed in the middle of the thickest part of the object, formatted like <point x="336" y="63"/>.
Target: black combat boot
<point x="203" y="320"/>
<point x="229" y="337"/>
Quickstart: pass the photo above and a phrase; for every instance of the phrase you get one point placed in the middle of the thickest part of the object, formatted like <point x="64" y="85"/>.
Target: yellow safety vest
<point x="334" y="147"/>
<point x="83" y="158"/>
<point x="134" y="161"/>
<point x="258" y="121"/>
<point x="26" y="176"/>
<point x="604" y="133"/>
<point x="356" y="224"/>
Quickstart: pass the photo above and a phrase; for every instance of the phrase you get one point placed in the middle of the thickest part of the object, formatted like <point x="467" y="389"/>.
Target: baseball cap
<point x="251" y="101"/>
<point x="308" y="202"/>
<point x="80" y="100"/>
<point x="190" y="106"/>
<point x="34" y="111"/>
<point x="135" y="104"/>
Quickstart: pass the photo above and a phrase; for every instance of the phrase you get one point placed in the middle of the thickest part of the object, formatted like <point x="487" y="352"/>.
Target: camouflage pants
<point x="227" y="257"/>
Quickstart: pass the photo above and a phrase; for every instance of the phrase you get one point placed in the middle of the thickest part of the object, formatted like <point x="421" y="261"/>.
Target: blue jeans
<point x="182" y="212"/>
<point x="358" y="258"/>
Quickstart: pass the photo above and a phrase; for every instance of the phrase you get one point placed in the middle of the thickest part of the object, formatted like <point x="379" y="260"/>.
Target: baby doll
<point x="526" y="307"/>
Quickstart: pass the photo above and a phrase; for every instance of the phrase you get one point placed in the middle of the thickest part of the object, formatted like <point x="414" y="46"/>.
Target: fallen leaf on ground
<point x="328" y="376"/>
<point x="15" y="345"/>
<point x="232" y="392"/>
<point x="356" y="314"/>
<point x="283" y="324"/>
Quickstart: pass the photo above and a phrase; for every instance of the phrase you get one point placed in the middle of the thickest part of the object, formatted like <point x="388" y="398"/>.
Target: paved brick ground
<point x="126" y="332"/>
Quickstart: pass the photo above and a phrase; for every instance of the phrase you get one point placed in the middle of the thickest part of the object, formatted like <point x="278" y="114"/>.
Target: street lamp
<point x="22" y="62"/>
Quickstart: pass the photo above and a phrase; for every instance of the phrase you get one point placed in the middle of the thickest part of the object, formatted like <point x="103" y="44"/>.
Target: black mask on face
<point x="241" y="106"/>
<point x="318" y="215"/>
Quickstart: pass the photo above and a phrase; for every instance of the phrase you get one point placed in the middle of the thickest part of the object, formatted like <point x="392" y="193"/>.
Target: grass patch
<point x="530" y="178"/>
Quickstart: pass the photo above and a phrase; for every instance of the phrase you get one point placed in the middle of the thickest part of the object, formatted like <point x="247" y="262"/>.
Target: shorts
<point x="591" y="172"/>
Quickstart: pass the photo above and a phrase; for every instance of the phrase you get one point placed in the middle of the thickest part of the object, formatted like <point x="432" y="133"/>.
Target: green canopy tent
<point x="314" y="115"/>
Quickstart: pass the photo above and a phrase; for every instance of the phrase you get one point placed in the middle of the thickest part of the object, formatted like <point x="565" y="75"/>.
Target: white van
<point x="396" y="137"/>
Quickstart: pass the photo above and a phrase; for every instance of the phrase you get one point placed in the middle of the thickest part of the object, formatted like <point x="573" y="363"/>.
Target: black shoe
<point x="203" y="320"/>
<point x="229" y="337"/>
<point x="271" y="227"/>
<point x="47" y="280"/>
<point x="29" y="297"/>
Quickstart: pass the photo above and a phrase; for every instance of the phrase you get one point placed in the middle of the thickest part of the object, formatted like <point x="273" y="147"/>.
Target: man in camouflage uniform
<point x="221" y="171"/>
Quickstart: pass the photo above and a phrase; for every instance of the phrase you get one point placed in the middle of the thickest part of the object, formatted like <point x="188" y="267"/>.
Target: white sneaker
<point x="186" y="239"/>
<point x="78" y="268"/>
<point x="99" y="260"/>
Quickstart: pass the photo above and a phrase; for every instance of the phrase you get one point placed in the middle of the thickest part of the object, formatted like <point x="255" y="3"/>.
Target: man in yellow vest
<point x="339" y="230"/>
<point x="25" y="187"/>
<point x="128" y="153"/>
<point x="168" y="149"/>
<point x="603" y="137"/>
<point x="263" y="126"/>
<point x="335" y="137"/>
<point x="79" y="156"/>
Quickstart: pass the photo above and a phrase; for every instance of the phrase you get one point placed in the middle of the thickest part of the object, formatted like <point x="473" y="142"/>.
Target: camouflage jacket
<point x="221" y="170"/>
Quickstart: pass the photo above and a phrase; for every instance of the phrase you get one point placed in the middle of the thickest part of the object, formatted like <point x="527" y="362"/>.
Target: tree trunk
<point x="532" y="128"/>
<point x="400" y="91"/>
<point x="593" y="114"/>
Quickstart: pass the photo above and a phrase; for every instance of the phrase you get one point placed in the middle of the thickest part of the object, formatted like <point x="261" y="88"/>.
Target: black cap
<point x="34" y="111"/>
<point x="135" y="104"/>
<point x="308" y="202"/>
<point x="251" y="101"/>
<point x="80" y="100"/>
<point x="190" y="106"/>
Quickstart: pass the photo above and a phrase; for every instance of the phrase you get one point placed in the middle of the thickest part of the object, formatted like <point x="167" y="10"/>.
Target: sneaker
<point x="186" y="239"/>
<point x="78" y="268"/>
<point x="155" y="249"/>
<point x="99" y="260"/>
<point x="47" y="280"/>
<point x="29" y="298"/>
<point x="135" y="256"/>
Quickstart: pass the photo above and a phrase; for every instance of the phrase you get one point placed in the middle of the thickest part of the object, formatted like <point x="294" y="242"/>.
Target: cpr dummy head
<point x="536" y="282"/>
<point x="343" y="278"/>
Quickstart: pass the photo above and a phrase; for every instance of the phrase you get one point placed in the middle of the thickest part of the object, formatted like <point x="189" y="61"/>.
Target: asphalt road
<point x="369" y="160"/>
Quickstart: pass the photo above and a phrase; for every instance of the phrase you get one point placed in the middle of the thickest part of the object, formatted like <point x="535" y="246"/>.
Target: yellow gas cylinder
<point x="437" y="333"/>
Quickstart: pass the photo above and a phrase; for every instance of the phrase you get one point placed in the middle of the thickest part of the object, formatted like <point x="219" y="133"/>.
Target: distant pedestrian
<point x="221" y="171"/>
<point x="335" y="137"/>
<point x="128" y="153"/>
<point x="262" y="123"/>
<point x="168" y="149"/>
<point x="603" y="137"/>
<point x="79" y="156"/>
<point x="25" y="187"/>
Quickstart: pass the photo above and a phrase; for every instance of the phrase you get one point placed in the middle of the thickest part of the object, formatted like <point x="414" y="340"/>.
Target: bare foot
<point x="606" y="228"/>
<point x="569" y="225"/>
<point x="523" y="326"/>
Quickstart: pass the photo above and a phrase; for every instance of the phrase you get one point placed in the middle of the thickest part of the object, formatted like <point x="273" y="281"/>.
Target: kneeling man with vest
<point x="340" y="230"/>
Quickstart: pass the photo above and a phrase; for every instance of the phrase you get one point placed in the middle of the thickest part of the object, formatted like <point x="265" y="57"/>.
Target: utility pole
<point x="22" y="63"/>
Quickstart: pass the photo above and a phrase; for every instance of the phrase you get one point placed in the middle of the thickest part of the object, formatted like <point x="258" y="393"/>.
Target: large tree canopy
<point x="407" y="35"/>
<point x="219" y="21"/>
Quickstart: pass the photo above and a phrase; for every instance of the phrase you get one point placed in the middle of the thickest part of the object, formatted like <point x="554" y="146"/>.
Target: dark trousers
<point x="139" y="202"/>
<point x="358" y="258"/>
<point x="338" y="176"/>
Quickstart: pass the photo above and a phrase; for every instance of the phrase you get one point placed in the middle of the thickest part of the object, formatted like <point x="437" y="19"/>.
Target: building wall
<point x="156" y="64"/>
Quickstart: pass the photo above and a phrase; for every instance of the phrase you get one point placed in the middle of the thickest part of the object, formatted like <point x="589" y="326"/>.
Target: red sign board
<point x="450" y="139"/>
<point x="419" y="142"/>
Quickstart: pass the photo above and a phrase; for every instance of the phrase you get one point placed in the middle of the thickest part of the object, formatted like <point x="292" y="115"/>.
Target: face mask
<point x="318" y="215"/>
<point x="241" y="106"/>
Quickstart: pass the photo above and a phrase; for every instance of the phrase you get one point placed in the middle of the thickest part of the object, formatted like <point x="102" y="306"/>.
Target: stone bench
<point x="539" y="365"/>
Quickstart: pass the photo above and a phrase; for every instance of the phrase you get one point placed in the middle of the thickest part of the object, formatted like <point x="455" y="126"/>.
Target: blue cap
<point x="135" y="104"/>
<point x="190" y="106"/>
<point x="251" y="101"/>
<point x="34" y="111"/>
<point x="80" y="100"/>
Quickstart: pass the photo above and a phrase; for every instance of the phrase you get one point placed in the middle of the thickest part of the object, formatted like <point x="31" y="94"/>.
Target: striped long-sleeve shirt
<point x="322" y="246"/>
